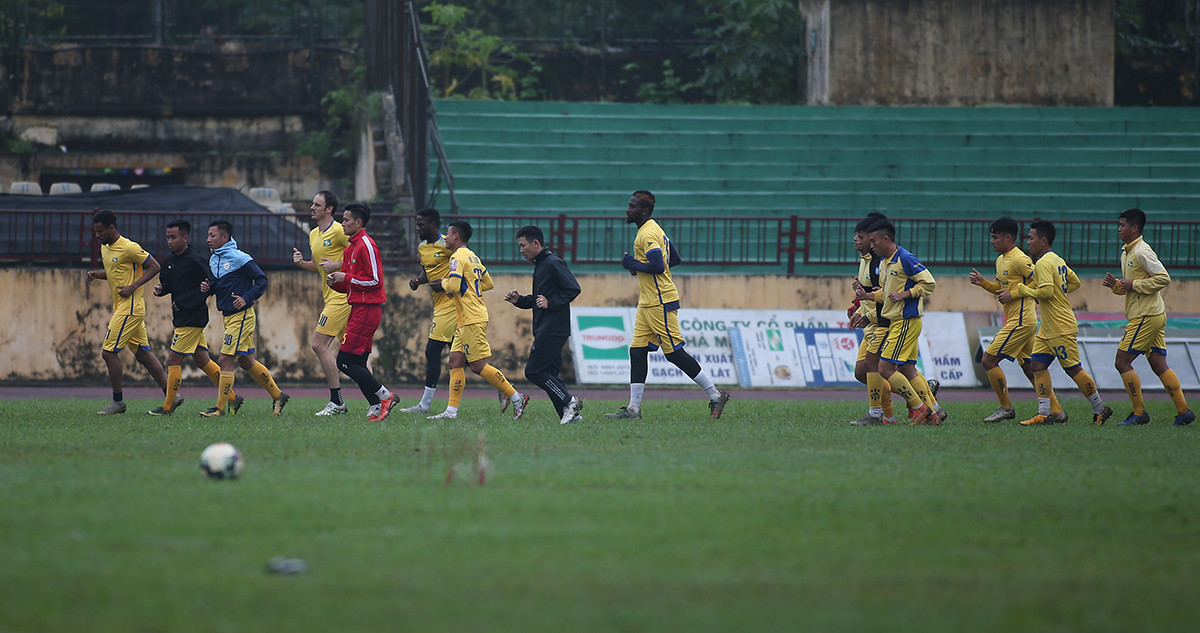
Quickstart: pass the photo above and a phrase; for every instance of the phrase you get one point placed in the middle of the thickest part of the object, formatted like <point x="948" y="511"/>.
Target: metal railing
<point x="398" y="63"/>
<point x="783" y="245"/>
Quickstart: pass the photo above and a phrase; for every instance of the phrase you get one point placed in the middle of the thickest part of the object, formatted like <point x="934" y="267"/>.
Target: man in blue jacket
<point x="237" y="282"/>
<point x="554" y="288"/>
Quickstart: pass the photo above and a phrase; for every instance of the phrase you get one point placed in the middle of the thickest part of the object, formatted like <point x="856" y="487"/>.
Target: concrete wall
<point x="237" y="152"/>
<point x="56" y="320"/>
<point x="969" y="52"/>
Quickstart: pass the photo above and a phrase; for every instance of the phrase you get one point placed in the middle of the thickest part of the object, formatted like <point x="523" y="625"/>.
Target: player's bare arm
<point x="150" y="271"/>
<point x="93" y="275"/>
<point x="330" y="265"/>
<point x="304" y="264"/>
<point x="417" y="281"/>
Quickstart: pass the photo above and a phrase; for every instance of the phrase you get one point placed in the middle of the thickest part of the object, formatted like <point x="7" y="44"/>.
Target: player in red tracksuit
<point x="361" y="279"/>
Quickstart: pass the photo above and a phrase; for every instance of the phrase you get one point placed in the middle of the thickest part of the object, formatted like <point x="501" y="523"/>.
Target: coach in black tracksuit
<point x="554" y="288"/>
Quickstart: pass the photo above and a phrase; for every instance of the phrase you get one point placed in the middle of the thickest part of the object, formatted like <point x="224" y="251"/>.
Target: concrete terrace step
<point x="520" y="136"/>
<point x="583" y="159"/>
<point x="567" y="169"/>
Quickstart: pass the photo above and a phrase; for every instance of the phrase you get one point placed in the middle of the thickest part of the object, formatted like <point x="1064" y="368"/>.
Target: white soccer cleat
<point x="519" y="405"/>
<point x="1001" y="414"/>
<point x="331" y="409"/>
<point x="571" y="411"/>
<point x="444" y="415"/>
<point x="416" y="408"/>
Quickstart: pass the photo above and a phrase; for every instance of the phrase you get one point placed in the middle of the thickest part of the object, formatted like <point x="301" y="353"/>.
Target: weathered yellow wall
<point x="55" y="320"/>
<point x="971" y="52"/>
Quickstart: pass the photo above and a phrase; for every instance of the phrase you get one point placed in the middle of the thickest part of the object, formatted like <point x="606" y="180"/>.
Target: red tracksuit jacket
<point x="364" y="271"/>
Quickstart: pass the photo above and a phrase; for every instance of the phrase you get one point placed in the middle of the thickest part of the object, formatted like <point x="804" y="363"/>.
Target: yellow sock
<point x="879" y="393"/>
<point x="1175" y="390"/>
<point x="1000" y="386"/>
<point x="224" y="389"/>
<point x="1055" y="407"/>
<point x="213" y="371"/>
<point x="874" y="390"/>
<point x="174" y="380"/>
<point x="1133" y="387"/>
<point x="905" y="389"/>
<point x="1084" y="381"/>
<point x="497" y="380"/>
<point x="262" y="376"/>
<point x="922" y="386"/>
<point x="458" y="379"/>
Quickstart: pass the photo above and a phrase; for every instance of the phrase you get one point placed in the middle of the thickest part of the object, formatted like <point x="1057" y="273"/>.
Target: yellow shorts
<point x="872" y="336"/>
<point x="126" y="330"/>
<point x="239" y="333"/>
<point x="1064" y="349"/>
<point x="1145" y="334"/>
<point x="333" y="319"/>
<point x="472" y="341"/>
<point x="445" y="321"/>
<point x="1014" y="342"/>
<point x="186" y="340"/>
<point x="899" y="344"/>
<point x="657" y="328"/>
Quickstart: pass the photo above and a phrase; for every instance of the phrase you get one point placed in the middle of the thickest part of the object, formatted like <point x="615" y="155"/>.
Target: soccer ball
<point x="222" y="461"/>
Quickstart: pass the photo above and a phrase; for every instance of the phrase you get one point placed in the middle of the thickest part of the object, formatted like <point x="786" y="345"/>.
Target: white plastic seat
<point x="266" y="196"/>
<point x="105" y="186"/>
<point x="25" y="188"/>
<point x="62" y="188"/>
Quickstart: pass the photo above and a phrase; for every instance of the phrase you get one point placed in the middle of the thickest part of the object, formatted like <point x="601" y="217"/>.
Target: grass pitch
<point x="778" y="517"/>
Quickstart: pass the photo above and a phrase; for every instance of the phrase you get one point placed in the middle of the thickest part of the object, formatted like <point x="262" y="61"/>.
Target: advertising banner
<point x="817" y="348"/>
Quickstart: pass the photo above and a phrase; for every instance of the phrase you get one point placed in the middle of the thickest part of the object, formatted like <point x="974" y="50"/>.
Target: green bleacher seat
<point x="584" y="159"/>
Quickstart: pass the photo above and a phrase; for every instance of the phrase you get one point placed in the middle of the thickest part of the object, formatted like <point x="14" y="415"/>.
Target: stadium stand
<point x="104" y="186"/>
<point x="583" y="158"/>
<point x="64" y="188"/>
<point x="25" y="188"/>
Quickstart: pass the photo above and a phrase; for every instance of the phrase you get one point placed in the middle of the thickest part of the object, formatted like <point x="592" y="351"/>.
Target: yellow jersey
<point x="903" y="271"/>
<point x="466" y="281"/>
<point x="435" y="259"/>
<point x="1140" y="263"/>
<point x="656" y="290"/>
<point x="868" y="277"/>
<point x="123" y="260"/>
<point x="1052" y="281"/>
<point x="1014" y="268"/>
<point x="328" y="243"/>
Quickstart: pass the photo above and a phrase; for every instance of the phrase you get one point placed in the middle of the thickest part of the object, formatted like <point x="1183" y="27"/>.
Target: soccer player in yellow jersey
<point x="904" y="283"/>
<point x="327" y="242"/>
<point x="1055" y="340"/>
<point x="1142" y="279"/>
<point x="1014" y="341"/>
<point x="435" y="265"/>
<point x="657" y="323"/>
<point x="466" y="282"/>
<point x="865" y="315"/>
<point x="127" y="267"/>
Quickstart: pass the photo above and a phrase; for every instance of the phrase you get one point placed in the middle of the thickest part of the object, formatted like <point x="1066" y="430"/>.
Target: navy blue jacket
<point x="233" y="272"/>
<point x="554" y="280"/>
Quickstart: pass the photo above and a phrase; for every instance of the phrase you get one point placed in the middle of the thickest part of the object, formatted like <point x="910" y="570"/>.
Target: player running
<point x="1056" y="336"/>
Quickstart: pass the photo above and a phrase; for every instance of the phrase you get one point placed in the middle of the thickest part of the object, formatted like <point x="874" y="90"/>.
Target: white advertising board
<point x="600" y="340"/>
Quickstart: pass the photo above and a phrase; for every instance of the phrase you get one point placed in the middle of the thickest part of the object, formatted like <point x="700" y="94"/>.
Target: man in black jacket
<point x="181" y="276"/>
<point x="554" y="288"/>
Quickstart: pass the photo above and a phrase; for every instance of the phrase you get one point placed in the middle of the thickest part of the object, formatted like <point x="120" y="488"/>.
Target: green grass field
<point x="778" y="517"/>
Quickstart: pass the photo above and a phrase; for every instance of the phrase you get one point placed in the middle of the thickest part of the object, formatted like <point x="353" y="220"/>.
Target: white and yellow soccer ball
<point x="222" y="461"/>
